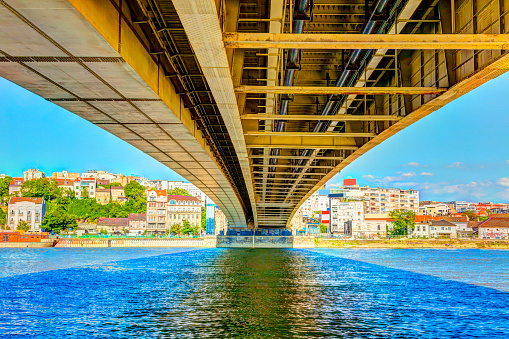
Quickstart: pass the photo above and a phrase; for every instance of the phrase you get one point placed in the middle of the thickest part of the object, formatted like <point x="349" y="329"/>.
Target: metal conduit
<point x="291" y="69"/>
<point x="346" y="78"/>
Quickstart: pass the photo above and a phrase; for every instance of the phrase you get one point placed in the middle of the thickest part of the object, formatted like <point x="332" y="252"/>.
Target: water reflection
<point x="255" y="293"/>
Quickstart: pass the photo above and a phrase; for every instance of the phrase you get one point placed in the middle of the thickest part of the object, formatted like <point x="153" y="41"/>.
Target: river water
<point x="253" y="293"/>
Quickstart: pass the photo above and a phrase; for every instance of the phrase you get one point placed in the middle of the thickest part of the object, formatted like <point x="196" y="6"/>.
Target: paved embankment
<point x="134" y="242"/>
<point x="45" y="243"/>
<point x="413" y="243"/>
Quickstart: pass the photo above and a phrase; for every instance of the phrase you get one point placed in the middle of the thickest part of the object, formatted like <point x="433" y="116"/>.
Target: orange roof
<point x="161" y="193"/>
<point x="14" y="200"/>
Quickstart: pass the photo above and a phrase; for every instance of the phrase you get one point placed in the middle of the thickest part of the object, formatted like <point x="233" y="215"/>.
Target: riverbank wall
<point x="414" y="243"/>
<point x="131" y="242"/>
<point x="45" y="243"/>
<point x="207" y="242"/>
<point x="265" y="242"/>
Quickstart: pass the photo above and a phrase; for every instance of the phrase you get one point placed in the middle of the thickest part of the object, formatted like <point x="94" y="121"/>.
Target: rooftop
<point x="14" y="200"/>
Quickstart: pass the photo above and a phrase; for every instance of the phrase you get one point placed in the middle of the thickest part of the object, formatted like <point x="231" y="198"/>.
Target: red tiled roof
<point x="381" y="219"/>
<point x="495" y="222"/>
<point x="112" y="222"/>
<point x="161" y="193"/>
<point x="441" y="223"/>
<point x="136" y="217"/>
<point x="14" y="200"/>
<point x="61" y="182"/>
<point x="456" y="219"/>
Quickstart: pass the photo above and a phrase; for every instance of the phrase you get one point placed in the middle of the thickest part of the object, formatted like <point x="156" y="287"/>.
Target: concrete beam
<point x="309" y="90"/>
<point x="367" y="41"/>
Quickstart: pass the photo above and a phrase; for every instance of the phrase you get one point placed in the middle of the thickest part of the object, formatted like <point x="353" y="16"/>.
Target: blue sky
<point x="460" y="152"/>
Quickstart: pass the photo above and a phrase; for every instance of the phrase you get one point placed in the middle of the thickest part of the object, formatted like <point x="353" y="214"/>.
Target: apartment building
<point x="137" y="223"/>
<point x="157" y="211"/>
<point x="434" y="210"/>
<point x="380" y="200"/>
<point x="33" y="173"/>
<point x="343" y="214"/>
<point x="318" y="201"/>
<point x="31" y="210"/>
<point x="82" y="185"/>
<point x="184" y="208"/>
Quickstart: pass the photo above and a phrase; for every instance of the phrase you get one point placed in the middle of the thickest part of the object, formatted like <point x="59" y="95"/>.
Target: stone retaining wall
<point x="168" y="242"/>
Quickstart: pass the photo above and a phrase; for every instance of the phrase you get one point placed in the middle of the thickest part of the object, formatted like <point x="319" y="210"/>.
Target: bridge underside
<point x="257" y="102"/>
<point x="319" y="83"/>
<point x="90" y="58"/>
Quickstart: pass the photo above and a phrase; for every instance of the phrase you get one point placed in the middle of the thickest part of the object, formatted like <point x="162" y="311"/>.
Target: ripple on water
<point x="255" y="294"/>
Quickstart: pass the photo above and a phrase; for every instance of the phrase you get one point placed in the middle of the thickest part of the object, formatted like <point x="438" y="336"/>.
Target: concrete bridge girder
<point x="85" y="57"/>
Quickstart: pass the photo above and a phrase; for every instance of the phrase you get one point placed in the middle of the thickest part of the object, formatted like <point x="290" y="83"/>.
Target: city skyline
<point x="419" y="159"/>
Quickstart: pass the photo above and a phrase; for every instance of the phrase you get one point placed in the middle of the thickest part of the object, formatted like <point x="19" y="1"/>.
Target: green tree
<point x="111" y="184"/>
<point x="59" y="220"/>
<point x="471" y="215"/>
<point x="203" y="218"/>
<point x="4" y="187"/>
<point x="42" y="187"/>
<point x="403" y="222"/>
<point x="134" y="190"/>
<point x="176" y="229"/>
<point x="323" y="228"/>
<point x="179" y="191"/>
<point x="84" y="193"/>
<point x="3" y="217"/>
<point x="23" y="226"/>
<point x="103" y="231"/>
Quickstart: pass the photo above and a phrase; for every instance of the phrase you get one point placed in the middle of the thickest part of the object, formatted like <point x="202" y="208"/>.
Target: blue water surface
<point x="260" y="293"/>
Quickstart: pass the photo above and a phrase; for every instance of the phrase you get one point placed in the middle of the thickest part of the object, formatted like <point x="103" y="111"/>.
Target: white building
<point x="164" y="210"/>
<point x="85" y="184"/>
<point x="31" y="210"/>
<point x="33" y="173"/>
<point x="317" y="202"/>
<point x="380" y="200"/>
<point x="343" y="214"/>
<point x="434" y="210"/>
<point x="494" y="227"/>
<point x="435" y="229"/>
<point x="373" y="226"/>
<point x="190" y="188"/>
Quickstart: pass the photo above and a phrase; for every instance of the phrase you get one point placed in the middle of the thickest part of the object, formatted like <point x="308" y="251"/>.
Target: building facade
<point x="82" y="185"/>
<point x="137" y="223"/>
<point x="495" y="227"/>
<point x="31" y="210"/>
<point x="157" y="211"/>
<point x="372" y="227"/>
<point x="380" y="200"/>
<point x="343" y="213"/>
<point x="33" y="173"/>
<point x="112" y="225"/>
<point x="183" y="208"/>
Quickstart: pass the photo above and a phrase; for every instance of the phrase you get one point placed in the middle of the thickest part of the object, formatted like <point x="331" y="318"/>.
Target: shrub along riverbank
<point x="413" y="243"/>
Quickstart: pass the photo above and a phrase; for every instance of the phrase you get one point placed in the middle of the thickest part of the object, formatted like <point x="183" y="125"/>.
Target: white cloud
<point x="368" y="177"/>
<point x="503" y="182"/>
<point x="456" y="165"/>
<point x="507" y="162"/>
<point x="334" y="185"/>
<point x="414" y="164"/>
<point x="427" y="173"/>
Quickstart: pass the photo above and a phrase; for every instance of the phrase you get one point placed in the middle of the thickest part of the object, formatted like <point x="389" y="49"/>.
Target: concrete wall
<point x="170" y="242"/>
<point x="265" y="242"/>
